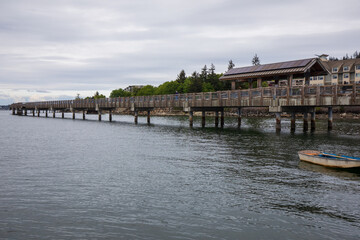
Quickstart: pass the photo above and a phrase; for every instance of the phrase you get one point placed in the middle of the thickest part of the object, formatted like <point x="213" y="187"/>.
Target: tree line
<point x="204" y="81"/>
<point x="356" y="54"/>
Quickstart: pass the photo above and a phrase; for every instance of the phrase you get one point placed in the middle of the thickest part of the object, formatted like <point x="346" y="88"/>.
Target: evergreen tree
<point x="231" y="65"/>
<point x="204" y="74"/>
<point x="195" y="84"/>
<point x="181" y="77"/>
<point x="256" y="60"/>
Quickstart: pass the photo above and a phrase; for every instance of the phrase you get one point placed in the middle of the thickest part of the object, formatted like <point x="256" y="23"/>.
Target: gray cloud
<point x="90" y="45"/>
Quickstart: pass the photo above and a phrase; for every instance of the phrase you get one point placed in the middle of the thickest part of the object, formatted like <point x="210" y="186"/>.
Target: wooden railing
<point x="346" y="95"/>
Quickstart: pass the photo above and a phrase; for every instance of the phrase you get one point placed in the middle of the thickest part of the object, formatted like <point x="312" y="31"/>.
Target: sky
<point x="56" y="49"/>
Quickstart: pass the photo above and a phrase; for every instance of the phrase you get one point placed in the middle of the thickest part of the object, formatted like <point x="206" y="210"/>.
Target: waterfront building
<point x="313" y="71"/>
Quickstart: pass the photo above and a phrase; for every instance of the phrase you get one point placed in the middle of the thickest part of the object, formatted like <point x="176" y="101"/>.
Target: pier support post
<point x="84" y="115"/>
<point x="191" y="118"/>
<point x="38" y="113"/>
<point x="25" y="112"/>
<point x="293" y="121"/>
<point x="62" y="114"/>
<point x="148" y="117"/>
<point x="99" y="115"/>
<point x="54" y="113"/>
<point x="216" y="119"/>
<point x="278" y="121"/>
<point x="239" y="117"/>
<point x="46" y="113"/>
<point x="110" y="115"/>
<point x="33" y="112"/>
<point x="73" y="114"/>
<point x="222" y="121"/>
<point x="330" y="120"/>
<point x="13" y="111"/>
<point x="136" y="117"/>
<point x="313" y="121"/>
<point x="203" y="119"/>
<point x="306" y="123"/>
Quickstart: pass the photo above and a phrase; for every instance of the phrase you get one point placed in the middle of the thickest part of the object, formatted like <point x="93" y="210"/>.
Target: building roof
<point x="341" y="63"/>
<point x="281" y="68"/>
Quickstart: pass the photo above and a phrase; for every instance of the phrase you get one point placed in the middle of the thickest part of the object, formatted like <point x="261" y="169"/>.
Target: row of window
<point x="346" y="75"/>
<point x="345" y="68"/>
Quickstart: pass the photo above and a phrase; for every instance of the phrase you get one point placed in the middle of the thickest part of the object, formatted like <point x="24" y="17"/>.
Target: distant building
<point x="133" y="88"/>
<point x="342" y="71"/>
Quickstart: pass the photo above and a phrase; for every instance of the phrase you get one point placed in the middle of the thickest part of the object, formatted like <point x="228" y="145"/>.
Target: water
<point x="75" y="179"/>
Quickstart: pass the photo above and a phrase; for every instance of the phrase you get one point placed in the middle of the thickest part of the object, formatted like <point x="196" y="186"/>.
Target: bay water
<point x="76" y="179"/>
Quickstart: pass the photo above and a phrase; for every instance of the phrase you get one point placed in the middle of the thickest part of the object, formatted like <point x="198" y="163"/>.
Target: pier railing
<point x="334" y="95"/>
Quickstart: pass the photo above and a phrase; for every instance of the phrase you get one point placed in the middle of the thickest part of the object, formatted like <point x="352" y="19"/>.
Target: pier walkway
<point x="292" y="100"/>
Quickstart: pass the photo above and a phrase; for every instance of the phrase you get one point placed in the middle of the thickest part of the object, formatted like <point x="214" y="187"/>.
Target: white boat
<point x="328" y="159"/>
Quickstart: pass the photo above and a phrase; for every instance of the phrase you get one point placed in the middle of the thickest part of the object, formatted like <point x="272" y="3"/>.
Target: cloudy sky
<point x="54" y="49"/>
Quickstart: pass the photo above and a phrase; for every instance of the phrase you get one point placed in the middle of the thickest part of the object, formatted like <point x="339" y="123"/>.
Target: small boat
<point x="328" y="159"/>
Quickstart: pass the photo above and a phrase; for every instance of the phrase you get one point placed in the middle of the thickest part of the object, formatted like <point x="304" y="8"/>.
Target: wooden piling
<point x="62" y="114"/>
<point x="313" y="121"/>
<point x="222" y="123"/>
<point x="84" y="117"/>
<point x="99" y="115"/>
<point x="278" y="121"/>
<point x="306" y="123"/>
<point x="330" y="118"/>
<point x="239" y="117"/>
<point x="54" y="113"/>
<point x="216" y="119"/>
<point x="136" y="117"/>
<point x="293" y="122"/>
<point x="73" y="114"/>
<point x="46" y="113"/>
<point x="203" y="119"/>
<point x="191" y="118"/>
<point x="110" y="115"/>
<point x="148" y="117"/>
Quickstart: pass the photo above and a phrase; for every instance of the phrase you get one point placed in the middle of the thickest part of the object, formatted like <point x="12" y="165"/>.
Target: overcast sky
<point x="53" y="49"/>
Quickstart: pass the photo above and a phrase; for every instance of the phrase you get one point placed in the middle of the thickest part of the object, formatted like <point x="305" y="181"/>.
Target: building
<point x="133" y="88"/>
<point x="312" y="71"/>
<point x="342" y="71"/>
<point x="290" y="73"/>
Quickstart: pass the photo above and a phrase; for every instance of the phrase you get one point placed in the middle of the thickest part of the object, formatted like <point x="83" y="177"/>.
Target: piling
<point x="110" y="116"/>
<point x="216" y="119"/>
<point x="306" y="123"/>
<point x="99" y="115"/>
<point x="278" y="121"/>
<point x="222" y="118"/>
<point x="313" y="121"/>
<point x="84" y="117"/>
<point x="330" y="120"/>
<point x="239" y="117"/>
<point x="203" y="119"/>
<point x="148" y="117"/>
<point x="46" y="113"/>
<point x="136" y="117"/>
<point x="54" y="113"/>
<point x="293" y="121"/>
<point x="73" y="114"/>
<point x="191" y="118"/>
<point x="62" y="114"/>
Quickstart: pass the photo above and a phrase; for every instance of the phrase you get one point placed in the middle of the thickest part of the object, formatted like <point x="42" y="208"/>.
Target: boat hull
<point x="311" y="156"/>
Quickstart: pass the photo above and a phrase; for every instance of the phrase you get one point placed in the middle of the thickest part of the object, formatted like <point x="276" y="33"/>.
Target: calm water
<point x="75" y="179"/>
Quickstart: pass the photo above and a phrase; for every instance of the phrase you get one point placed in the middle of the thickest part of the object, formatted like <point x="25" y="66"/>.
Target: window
<point x="357" y="67"/>
<point x="311" y="78"/>
<point x="335" y="69"/>
<point x="357" y="75"/>
<point x="321" y="77"/>
<point x="346" y="68"/>
<point x="346" y="75"/>
<point x="334" y="76"/>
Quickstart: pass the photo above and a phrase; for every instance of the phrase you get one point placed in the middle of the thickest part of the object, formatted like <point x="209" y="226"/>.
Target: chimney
<point x="323" y="57"/>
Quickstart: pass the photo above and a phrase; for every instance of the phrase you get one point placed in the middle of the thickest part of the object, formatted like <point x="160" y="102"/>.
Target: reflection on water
<point x="348" y="174"/>
<point x="66" y="179"/>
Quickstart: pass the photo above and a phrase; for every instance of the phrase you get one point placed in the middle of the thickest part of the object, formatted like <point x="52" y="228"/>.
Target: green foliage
<point x="264" y="84"/>
<point x="119" y="93"/>
<point x="181" y="77"/>
<point x="256" y="60"/>
<point x="207" y="87"/>
<point x="97" y="95"/>
<point x="168" y="88"/>
<point x="146" y="91"/>
<point x="231" y="65"/>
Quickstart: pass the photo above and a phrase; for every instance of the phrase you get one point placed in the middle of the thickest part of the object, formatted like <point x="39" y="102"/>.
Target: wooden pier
<point x="292" y="100"/>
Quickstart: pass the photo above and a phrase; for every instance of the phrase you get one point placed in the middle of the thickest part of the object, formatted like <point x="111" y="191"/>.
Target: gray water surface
<point x="75" y="179"/>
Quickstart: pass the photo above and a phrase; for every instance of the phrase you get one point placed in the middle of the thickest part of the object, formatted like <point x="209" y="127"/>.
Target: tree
<point x="168" y="88"/>
<point x="204" y="73"/>
<point x="97" y="95"/>
<point x="146" y="91"/>
<point x="181" y="77"/>
<point x="231" y="65"/>
<point x="256" y="60"/>
<point x="119" y="93"/>
<point x="195" y="83"/>
<point x="77" y="96"/>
